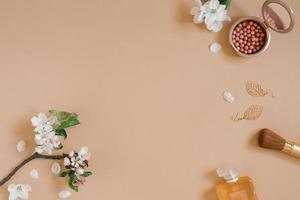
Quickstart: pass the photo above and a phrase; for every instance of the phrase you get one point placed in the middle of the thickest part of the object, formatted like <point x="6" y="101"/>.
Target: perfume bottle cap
<point x="229" y="173"/>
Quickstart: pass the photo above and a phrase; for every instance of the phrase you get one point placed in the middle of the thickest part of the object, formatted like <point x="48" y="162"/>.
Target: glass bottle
<point x="234" y="187"/>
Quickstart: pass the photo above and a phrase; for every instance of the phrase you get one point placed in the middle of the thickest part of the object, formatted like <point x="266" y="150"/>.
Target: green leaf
<point x="63" y="174"/>
<point x="86" y="174"/>
<point x="62" y="116"/>
<point x="71" y="173"/>
<point x="72" y="121"/>
<point x="71" y="185"/>
<point x="61" y="132"/>
<point x="225" y="2"/>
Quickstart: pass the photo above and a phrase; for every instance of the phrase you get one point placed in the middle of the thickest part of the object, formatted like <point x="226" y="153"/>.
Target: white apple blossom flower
<point x="42" y="123"/>
<point x="212" y="13"/>
<point x="18" y="191"/>
<point x="45" y="137"/>
<point x="46" y="142"/>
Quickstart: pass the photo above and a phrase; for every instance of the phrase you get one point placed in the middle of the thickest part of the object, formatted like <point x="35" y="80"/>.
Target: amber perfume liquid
<point x="242" y="189"/>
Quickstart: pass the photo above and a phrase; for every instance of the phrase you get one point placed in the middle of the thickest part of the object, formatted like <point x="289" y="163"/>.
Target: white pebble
<point x="215" y="47"/>
<point x="21" y="146"/>
<point x="55" y="168"/>
<point x="64" y="194"/>
<point x="228" y="97"/>
<point x="34" y="174"/>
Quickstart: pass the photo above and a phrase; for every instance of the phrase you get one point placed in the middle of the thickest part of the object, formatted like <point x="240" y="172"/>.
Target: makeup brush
<point x="270" y="140"/>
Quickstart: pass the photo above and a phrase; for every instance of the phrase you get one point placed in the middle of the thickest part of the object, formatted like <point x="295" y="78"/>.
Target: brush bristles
<point x="269" y="139"/>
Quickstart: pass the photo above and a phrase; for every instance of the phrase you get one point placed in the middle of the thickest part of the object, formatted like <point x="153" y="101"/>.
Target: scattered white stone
<point x="21" y="146"/>
<point x="228" y="97"/>
<point x="55" y="168"/>
<point x="215" y="47"/>
<point x="34" y="174"/>
<point x="64" y="194"/>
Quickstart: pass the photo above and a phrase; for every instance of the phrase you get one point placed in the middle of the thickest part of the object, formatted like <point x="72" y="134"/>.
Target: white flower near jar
<point x="18" y="191"/>
<point x="212" y="13"/>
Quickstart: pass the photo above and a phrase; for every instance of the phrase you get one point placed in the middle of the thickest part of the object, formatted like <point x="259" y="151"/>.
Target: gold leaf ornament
<point x="256" y="90"/>
<point x="252" y="113"/>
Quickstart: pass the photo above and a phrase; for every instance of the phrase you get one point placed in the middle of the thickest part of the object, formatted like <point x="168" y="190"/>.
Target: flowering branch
<point x="49" y="133"/>
<point x="27" y="160"/>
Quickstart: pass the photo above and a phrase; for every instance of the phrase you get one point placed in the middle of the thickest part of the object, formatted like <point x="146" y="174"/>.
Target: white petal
<point x="11" y="187"/>
<point x="23" y="195"/>
<point x="34" y="174"/>
<point x="21" y="146"/>
<point x="215" y="47"/>
<point x="88" y="156"/>
<point x="35" y="121"/>
<point x="228" y="97"/>
<point x="42" y="117"/>
<point x="198" y="18"/>
<point x="194" y="10"/>
<point x="217" y="26"/>
<point x="221" y="14"/>
<point x="214" y="4"/>
<point x="83" y="151"/>
<point x="55" y="168"/>
<point x="205" y="8"/>
<point x="210" y="19"/>
<point x="64" y="194"/>
<point x="26" y="187"/>
<point x="48" y="128"/>
<point x="13" y="196"/>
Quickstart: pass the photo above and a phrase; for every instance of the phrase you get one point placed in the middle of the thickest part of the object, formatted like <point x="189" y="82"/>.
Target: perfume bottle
<point x="234" y="187"/>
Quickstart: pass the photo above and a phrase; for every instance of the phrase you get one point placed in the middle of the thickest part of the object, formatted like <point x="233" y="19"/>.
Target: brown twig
<point x="27" y="160"/>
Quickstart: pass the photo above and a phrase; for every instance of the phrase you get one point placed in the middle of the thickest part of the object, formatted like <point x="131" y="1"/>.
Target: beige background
<point x="148" y="93"/>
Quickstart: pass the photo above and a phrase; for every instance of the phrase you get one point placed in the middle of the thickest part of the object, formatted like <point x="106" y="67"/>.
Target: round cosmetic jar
<point x="251" y="36"/>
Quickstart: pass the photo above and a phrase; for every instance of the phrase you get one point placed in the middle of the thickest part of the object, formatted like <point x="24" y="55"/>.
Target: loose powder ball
<point x="249" y="37"/>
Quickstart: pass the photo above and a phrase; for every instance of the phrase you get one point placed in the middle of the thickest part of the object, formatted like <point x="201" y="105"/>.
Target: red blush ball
<point x="254" y="39"/>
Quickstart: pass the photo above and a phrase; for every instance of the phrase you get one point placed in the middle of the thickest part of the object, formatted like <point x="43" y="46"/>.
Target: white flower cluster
<point x="45" y="137"/>
<point x="212" y="13"/>
<point x="77" y="161"/>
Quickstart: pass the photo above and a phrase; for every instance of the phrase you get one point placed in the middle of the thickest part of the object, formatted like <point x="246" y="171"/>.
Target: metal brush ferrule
<point x="292" y="148"/>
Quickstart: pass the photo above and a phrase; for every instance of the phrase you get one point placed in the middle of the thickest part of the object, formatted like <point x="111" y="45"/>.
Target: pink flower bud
<point x="79" y="170"/>
<point x="71" y="154"/>
<point x="67" y="161"/>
